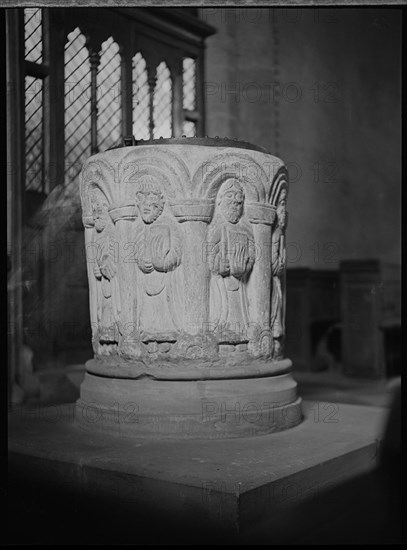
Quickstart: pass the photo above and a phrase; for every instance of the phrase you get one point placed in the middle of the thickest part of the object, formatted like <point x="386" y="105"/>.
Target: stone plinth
<point x="185" y="243"/>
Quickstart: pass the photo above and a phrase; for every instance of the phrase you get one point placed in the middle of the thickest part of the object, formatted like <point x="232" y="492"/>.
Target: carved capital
<point x="123" y="212"/>
<point x="193" y="210"/>
<point x="259" y="213"/>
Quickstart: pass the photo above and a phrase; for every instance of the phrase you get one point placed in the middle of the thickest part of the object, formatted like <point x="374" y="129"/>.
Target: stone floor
<point x="223" y="488"/>
<point x="71" y="486"/>
<point x="337" y="388"/>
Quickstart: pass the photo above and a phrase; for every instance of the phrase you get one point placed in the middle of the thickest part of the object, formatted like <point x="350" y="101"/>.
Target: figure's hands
<point x="282" y="262"/>
<point x="158" y="253"/>
<point x="279" y="265"/>
<point x="222" y="264"/>
<point x="217" y="259"/>
<point x="283" y="219"/>
<point x="146" y="266"/>
<point x="171" y="260"/>
<point x="97" y="272"/>
<point x="108" y="267"/>
<point x="142" y="259"/>
<point x="156" y="246"/>
<point x="240" y="258"/>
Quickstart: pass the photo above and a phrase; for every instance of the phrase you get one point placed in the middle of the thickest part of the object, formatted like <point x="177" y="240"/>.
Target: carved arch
<point x="164" y="165"/>
<point x="212" y="173"/>
<point x="95" y="174"/>
<point x="279" y="183"/>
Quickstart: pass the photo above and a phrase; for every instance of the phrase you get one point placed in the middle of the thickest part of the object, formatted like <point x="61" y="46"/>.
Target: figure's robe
<point x="231" y="257"/>
<point x="158" y="253"/>
<point x="278" y="266"/>
<point x="108" y="295"/>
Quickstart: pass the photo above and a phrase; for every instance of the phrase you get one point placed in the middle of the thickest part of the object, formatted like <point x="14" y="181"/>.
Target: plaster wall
<point x="321" y="88"/>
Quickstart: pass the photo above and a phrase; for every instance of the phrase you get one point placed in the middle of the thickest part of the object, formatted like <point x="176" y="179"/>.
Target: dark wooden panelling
<point x="313" y="304"/>
<point x="370" y="298"/>
<point x="298" y="302"/>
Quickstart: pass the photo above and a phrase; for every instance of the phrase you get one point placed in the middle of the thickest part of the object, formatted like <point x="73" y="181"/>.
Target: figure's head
<point x="100" y="216"/>
<point x="281" y="208"/>
<point x="149" y="199"/>
<point x="230" y="200"/>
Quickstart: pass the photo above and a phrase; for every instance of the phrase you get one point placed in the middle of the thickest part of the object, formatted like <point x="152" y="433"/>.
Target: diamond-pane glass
<point x="162" y="103"/>
<point x="109" y="96"/>
<point x="189" y="83"/>
<point x="188" y="128"/>
<point x="34" y="134"/>
<point x="77" y="104"/>
<point x="33" y="34"/>
<point x="141" y="98"/>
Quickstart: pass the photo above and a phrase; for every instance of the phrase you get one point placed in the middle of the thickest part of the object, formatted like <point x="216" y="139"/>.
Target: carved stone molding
<point x="193" y="210"/>
<point x="123" y="212"/>
<point x="261" y="213"/>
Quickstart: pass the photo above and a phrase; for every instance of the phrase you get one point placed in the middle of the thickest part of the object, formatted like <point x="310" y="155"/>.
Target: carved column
<point x="262" y="217"/>
<point x="183" y="248"/>
<point x="194" y="215"/>
<point x="123" y="216"/>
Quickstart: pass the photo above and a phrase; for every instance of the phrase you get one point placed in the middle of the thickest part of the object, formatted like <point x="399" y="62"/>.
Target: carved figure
<point x="105" y="269"/>
<point x="231" y="258"/>
<point x="278" y="255"/>
<point x="158" y="252"/>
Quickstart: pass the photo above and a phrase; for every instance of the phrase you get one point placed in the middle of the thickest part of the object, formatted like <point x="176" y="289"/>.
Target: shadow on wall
<point x="55" y="287"/>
